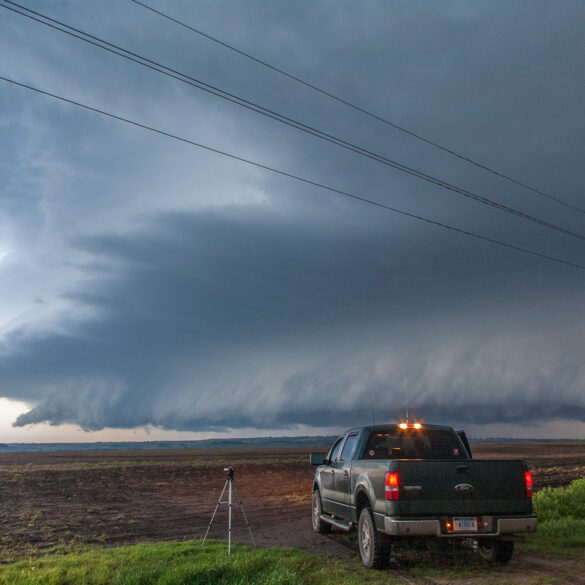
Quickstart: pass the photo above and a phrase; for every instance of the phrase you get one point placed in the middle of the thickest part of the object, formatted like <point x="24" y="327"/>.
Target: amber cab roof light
<point x="416" y="426"/>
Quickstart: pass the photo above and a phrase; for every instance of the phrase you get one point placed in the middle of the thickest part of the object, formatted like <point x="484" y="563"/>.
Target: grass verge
<point x="561" y="521"/>
<point x="186" y="563"/>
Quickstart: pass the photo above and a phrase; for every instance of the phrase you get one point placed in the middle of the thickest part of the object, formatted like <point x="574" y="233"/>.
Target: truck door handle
<point x="462" y="468"/>
<point x="345" y="474"/>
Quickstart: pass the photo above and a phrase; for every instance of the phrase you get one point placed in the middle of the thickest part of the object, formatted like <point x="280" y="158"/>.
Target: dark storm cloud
<point x="209" y="321"/>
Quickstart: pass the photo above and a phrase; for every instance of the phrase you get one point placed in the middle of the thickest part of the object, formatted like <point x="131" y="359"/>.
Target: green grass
<point x="568" y="502"/>
<point x="561" y="521"/>
<point x="186" y="563"/>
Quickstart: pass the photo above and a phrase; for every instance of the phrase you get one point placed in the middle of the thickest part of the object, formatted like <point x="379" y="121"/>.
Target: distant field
<point x="269" y="442"/>
<point x="71" y="499"/>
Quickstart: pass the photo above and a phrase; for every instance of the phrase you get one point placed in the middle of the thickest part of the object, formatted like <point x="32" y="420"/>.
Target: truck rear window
<point x="414" y="444"/>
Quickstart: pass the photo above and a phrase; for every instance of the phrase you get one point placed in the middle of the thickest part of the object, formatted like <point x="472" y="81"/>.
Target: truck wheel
<point x="496" y="551"/>
<point x="318" y="524"/>
<point x="374" y="547"/>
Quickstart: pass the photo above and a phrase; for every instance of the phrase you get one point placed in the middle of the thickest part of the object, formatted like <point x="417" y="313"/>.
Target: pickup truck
<point x="413" y="480"/>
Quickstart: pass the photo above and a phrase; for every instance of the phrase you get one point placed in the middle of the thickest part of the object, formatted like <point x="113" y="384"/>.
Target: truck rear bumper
<point x="426" y="527"/>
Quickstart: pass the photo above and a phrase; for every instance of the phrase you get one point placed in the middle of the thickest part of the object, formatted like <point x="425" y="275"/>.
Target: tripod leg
<point x="230" y="519"/>
<point x="214" y="513"/>
<point x="244" y="514"/>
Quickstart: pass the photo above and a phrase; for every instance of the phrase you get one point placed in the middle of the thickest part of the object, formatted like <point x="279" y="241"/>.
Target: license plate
<point x="464" y="524"/>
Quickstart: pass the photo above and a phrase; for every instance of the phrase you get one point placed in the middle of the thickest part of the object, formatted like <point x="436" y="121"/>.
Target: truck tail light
<point x="528" y="482"/>
<point x="392" y="487"/>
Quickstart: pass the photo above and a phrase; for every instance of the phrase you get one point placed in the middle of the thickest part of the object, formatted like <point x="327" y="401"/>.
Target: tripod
<point x="229" y="481"/>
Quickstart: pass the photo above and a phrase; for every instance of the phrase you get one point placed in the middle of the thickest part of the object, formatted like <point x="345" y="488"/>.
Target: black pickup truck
<point x="414" y="480"/>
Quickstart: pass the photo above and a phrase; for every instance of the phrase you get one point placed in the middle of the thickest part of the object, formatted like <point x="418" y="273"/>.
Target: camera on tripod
<point x="229" y="482"/>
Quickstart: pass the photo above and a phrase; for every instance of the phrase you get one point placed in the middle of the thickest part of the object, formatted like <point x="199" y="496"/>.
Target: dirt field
<point x="119" y="497"/>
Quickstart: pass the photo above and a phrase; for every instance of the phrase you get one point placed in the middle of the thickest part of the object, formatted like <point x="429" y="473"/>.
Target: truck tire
<point x="496" y="551"/>
<point x="374" y="547"/>
<point x="318" y="524"/>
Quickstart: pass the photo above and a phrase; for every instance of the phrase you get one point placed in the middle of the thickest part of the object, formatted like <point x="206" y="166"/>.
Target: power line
<point x="217" y="92"/>
<point x="293" y="176"/>
<point x="359" y="108"/>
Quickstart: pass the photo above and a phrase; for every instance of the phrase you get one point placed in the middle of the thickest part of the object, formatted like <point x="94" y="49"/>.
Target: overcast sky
<point x="150" y="288"/>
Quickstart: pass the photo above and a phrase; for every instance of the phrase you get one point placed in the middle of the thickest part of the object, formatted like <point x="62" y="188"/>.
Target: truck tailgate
<point x="461" y="488"/>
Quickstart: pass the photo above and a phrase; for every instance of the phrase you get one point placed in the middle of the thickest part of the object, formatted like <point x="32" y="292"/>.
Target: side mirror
<point x="317" y="459"/>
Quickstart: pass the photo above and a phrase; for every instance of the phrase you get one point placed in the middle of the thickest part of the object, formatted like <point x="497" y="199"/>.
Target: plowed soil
<point x="123" y="497"/>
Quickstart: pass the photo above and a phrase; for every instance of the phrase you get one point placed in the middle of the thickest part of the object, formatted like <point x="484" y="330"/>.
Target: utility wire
<point x="359" y="108"/>
<point x="293" y="176"/>
<point x="169" y="72"/>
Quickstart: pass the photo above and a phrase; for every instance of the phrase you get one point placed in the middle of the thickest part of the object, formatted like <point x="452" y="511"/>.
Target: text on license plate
<point x="465" y="524"/>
